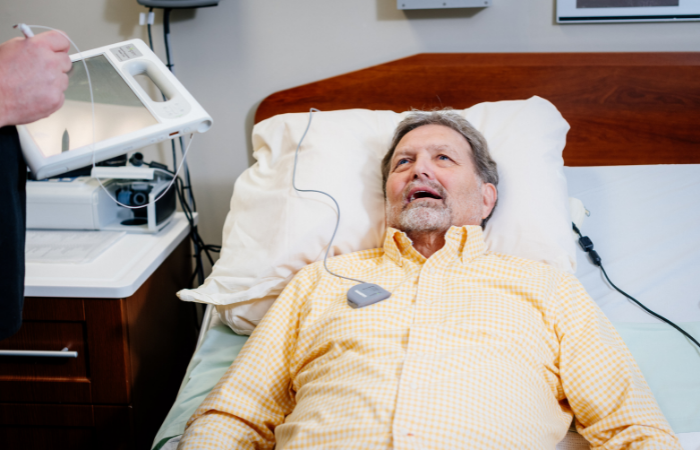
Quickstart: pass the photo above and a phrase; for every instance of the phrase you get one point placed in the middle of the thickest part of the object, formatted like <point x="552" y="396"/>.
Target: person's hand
<point x="32" y="77"/>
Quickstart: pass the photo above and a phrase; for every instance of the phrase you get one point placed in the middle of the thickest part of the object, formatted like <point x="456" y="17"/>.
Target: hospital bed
<point x="632" y="157"/>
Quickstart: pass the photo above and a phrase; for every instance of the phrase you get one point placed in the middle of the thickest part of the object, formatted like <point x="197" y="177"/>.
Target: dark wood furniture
<point x="623" y="108"/>
<point x="132" y="355"/>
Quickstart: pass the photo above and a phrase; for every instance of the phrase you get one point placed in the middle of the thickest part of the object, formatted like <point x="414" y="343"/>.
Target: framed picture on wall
<point x="586" y="11"/>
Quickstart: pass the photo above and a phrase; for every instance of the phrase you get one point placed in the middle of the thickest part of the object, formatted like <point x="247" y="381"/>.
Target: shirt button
<point x="414" y="386"/>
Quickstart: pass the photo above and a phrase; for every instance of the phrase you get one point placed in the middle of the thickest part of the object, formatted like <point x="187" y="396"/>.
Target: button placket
<point x="408" y="384"/>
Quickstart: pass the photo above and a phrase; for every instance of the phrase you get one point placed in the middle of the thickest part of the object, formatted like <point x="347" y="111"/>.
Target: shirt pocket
<point x="496" y="323"/>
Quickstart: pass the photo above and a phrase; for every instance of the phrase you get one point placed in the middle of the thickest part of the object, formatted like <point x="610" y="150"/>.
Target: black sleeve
<point x="13" y="180"/>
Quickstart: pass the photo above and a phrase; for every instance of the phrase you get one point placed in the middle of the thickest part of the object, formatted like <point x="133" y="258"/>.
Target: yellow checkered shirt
<point x="472" y="350"/>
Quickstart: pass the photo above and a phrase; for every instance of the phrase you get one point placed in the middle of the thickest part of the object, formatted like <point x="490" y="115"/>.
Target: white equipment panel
<point x="126" y="117"/>
<point x="439" y="4"/>
<point x="601" y="11"/>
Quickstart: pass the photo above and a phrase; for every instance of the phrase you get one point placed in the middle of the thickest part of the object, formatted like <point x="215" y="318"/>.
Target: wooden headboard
<point x="623" y="108"/>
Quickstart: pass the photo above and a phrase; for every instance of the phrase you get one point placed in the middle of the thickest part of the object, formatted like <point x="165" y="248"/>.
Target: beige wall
<point x="232" y="56"/>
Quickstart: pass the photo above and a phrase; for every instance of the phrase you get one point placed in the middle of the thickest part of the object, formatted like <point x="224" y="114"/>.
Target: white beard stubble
<point x="430" y="217"/>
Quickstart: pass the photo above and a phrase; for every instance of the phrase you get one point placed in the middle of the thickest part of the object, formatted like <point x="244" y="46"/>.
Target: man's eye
<point x="444" y="158"/>
<point x="401" y="161"/>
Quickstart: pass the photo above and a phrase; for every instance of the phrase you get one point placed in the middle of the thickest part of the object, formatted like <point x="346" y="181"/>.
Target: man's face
<point x="432" y="183"/>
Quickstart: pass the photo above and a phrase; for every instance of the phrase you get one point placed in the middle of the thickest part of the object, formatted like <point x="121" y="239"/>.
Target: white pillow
<point x="273" y="231"/>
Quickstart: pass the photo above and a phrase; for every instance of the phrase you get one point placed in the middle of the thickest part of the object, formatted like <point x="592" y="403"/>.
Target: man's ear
<point x="489" y="196"/>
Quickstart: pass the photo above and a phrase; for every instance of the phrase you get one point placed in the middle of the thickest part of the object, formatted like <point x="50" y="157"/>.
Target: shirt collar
<point x="465" y="243"/>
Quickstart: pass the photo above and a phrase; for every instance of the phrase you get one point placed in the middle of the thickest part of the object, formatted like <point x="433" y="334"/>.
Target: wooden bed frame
<point x="623" y="108"/>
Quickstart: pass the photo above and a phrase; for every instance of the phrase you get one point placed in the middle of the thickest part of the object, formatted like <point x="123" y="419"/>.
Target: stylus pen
<point x="26" y="31"/>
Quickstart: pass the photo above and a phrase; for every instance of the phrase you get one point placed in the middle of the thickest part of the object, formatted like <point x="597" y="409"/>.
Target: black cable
<point x="148" y="22"/>
<point x="190" y="194"/>
<point x="166" y="33"/>
<point x="172" y="142"/>
<point x="170" y="65"/>
<point x="658" y="316"/>
<point x="194" y="235"/>
<point x="150" y="44"/>
<point x="587" y="246"/>
<point x="199" y="245"/>
<point x="197" y="241"/>
<point x="184" y="192"/>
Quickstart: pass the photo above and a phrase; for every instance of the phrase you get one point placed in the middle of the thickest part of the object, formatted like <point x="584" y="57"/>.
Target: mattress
<point x="644" y="222"/>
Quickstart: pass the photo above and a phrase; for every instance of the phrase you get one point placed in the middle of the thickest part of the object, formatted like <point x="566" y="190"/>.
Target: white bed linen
<point x="649" y="240"/>
<point x="645" y="224"/>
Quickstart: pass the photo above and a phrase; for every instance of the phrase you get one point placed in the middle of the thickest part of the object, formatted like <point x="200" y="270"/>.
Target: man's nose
<point x="423" y="169"/>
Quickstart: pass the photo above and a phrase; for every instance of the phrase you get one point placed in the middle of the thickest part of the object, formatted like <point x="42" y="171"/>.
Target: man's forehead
<point x="433" y="137"/>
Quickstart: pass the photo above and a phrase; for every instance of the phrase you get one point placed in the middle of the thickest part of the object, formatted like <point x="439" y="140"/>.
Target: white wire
<point x="294" y="174"/>
<point x="335" y="231"/>
<point x="92" y="145"/>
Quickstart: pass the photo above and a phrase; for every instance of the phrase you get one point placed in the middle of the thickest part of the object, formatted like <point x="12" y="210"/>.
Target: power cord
<point x="185" y="193"/>
<point x="171" y="66"/>
<point x="150" y="44"/>
<point x="587" y="245"/>
<point x="199" y="244"/>
<point x="150" y="21"/>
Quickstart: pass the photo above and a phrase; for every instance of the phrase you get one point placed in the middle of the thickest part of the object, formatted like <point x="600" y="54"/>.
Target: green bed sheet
<point x="671" y="365"/>
<point x="219" y="349"/>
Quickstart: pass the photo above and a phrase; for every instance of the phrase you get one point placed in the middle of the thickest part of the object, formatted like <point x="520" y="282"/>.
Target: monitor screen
<point x="118" y="110"/>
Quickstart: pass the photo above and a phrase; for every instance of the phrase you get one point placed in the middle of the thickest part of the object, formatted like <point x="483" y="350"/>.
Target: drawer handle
<point x="40" y="353"/>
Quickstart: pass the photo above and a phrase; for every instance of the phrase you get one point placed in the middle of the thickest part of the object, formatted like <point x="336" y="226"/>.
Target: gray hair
<point x="484" y="165"/>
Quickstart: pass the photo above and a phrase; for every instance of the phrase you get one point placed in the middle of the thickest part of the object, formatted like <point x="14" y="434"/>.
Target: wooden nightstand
<point x="133" y="339"/>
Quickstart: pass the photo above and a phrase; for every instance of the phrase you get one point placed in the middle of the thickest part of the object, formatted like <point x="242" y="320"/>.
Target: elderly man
<point x="472" y="350"/>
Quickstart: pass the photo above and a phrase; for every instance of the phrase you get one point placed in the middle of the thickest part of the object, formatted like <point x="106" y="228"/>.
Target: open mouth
<point x="417" y="194"/>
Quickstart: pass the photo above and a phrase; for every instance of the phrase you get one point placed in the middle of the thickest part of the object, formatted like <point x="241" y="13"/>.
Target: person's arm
<point x="612" y="403"/>
<point x="255" y="395"/>
<point x="32" y="77"/>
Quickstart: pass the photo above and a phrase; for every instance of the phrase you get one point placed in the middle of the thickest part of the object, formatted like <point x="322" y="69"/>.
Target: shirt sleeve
<point x="612" y="403"/>
<point x="254" y="395"/>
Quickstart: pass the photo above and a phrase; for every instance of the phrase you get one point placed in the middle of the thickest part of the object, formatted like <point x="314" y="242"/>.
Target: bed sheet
<point x="208" y="365"/>
<point x="644" y="221"/>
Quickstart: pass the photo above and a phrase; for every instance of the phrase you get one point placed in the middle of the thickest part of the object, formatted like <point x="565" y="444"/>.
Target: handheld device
<point x="126" y="117"/>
